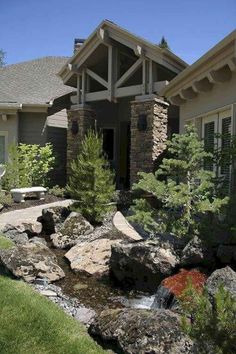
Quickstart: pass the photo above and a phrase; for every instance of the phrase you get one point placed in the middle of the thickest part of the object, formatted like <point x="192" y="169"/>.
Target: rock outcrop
<point x="92" y="257"/>
<point x="142" y="265"/>
<point x="226" y="277"/>
<point x="70" y="232"/>
<point x="142" y="331"/>
<point x="53" y="218"/>
<point x="197" y="252"/>
<point x="31" y="261"/>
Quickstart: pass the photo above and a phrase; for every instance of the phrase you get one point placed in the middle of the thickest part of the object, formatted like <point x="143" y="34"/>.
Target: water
<point x="98" y="293"/>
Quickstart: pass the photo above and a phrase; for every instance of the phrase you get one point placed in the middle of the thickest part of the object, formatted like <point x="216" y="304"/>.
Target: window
<point x="3" y="147"/>
<point x="220" y="123"/>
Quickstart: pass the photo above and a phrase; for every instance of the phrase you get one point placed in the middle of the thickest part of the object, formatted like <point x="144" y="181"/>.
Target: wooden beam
<point x="110" y="73"/>
<point x="150" y="79"/>
<point x="78" y="88"/>
<point x="129" y="73"/>
<point x="96" y="96"/>
<point x="128" y="91"/>
<point x="83" y="86"/>
<point x="103" y="35"/>
<point x="97" y="78"/>
<point x="144" y="77"/>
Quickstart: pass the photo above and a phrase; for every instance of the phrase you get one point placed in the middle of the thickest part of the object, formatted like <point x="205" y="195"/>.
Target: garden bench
<point x="18" y="194"/>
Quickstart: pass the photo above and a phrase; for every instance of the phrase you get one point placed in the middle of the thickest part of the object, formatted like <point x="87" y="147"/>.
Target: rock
<point x="124" y="227"/>
<point x="32" y="228"/>
<point x="226" y="253"/>
<point x="31" y="261"/>
<point x="1" y="207"/>
<point x="196" y="252"/>
<point x="142" y="264"/>
<point x="142" y="331"/>
<point x="53" y="218"/>
<point x="226" y="277"/>
<point x="91" y="257"/>
<point x="15" y="234"/>
<point x="173" y="287"/>
<point x="85" y="315"/>
<point x="38" y="240"/>
<point x="74" y="226"/>
<point x="48" y="293"/>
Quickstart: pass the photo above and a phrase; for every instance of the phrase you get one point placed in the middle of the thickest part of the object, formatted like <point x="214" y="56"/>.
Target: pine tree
<point x="91" y="182"/>
<point x="163" y="43"/>
<point x="185" y="191"/>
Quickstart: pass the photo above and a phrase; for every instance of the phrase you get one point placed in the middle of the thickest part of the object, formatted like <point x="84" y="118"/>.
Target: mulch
<point x="31" y="202"/>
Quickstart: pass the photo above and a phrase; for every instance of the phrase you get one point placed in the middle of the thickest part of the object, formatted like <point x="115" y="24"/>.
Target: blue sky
<point x="36" y="28"/>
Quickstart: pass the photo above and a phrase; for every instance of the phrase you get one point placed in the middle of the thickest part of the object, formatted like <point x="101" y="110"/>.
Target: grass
<point x="5" y="243"/>
<point x="32" y="324"/>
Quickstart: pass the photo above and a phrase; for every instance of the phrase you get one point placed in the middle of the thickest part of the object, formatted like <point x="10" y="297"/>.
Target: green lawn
<point x="32" y="324"/>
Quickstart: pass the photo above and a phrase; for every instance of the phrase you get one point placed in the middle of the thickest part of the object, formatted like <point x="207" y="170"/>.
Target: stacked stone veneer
<point x="147" y="145"/>
<point x="86" y="119"/>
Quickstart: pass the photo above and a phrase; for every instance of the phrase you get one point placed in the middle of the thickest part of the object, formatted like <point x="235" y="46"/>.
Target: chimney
<point x="78" y="42"/>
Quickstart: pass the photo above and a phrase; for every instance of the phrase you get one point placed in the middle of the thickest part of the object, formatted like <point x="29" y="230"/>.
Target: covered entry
<point x="119" y="78"/>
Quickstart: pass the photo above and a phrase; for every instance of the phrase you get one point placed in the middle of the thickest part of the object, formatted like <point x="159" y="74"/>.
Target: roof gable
<point x="108" y="32"/>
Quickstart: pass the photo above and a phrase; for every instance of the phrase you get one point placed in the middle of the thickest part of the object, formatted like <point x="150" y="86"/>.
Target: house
<point x="118" y="78"/>
<point x="33" y="103"/>
<point x="206" y="95"/>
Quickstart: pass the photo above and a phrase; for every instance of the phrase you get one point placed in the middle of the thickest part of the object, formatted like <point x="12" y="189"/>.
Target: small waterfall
<point x="164" y="299"/>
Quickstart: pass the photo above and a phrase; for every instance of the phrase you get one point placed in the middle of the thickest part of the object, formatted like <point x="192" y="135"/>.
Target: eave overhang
<point x="215" y="67"/>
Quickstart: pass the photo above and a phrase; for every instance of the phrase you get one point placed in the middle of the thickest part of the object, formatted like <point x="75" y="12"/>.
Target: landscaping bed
<point x="31" y="202"/>
<point x="27" y="319"/>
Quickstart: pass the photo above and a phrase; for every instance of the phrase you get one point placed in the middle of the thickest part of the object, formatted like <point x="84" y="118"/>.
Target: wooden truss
<point x="114" y="87"/>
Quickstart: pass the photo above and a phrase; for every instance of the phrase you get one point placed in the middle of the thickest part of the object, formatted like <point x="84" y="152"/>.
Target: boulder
<point x="73" y="227"/>
<point x="226" y="277"/>
<point x="142" y="265"/>
<point x="91" y="257"/>
<point x="197" y="252"/>
<point x="53" y="218"/>
<point x="226" y="253"/>
<point x="31" y="261"/>
<point x="16" y="234"/>
<point x="38" y="240"/>
<point x="142" y="331"/>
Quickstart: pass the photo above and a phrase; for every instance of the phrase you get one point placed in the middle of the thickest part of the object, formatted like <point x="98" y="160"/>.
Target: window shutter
<point x="225" y="148"/>
<point x="209" y="143"/>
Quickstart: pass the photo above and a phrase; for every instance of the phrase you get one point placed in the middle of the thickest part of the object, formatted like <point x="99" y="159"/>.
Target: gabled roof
<point x="33" y="82"/>
<point x="162" y="56"/>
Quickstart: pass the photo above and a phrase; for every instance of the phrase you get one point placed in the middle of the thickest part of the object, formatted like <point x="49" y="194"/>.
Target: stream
<point x="98" y="293"/>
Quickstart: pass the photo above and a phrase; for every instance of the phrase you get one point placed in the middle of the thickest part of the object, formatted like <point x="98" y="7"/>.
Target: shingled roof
<point x="32" y="82"/>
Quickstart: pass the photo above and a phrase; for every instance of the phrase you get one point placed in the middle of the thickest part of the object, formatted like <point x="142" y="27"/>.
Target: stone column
<point x="147" y="144"/>
<point x="80" y="120"/>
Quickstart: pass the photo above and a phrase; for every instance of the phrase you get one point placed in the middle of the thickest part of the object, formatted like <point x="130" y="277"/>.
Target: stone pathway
<point x="122" y="225"/>
<point x="16" y="217"/>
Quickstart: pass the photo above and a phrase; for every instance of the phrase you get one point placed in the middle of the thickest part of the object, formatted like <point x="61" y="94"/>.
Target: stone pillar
<point x="80" y="119"/>
<point x="147" y="144"/>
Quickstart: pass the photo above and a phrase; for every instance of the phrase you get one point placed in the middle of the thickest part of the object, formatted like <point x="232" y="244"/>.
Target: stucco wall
<point x="222" y="94"/>
<point x="11" y="127"/>
<point x="32" y="129"/>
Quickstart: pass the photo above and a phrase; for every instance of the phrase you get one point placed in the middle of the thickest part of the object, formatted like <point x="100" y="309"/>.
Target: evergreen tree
<point x="213" y="320"/>
<point x="91" y="182"/>
<point x="185" y="191"/>
<point x="163" y="43"/>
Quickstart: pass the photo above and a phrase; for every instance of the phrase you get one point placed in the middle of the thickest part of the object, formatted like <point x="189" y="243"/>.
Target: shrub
<point x="185" y="191"/>
<point x="58" y="191"/>
<point x="5" y="199"/>
<point x="91" y="179"/>
<point x="28" y="166"/>
<point x="210" y="322"/>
